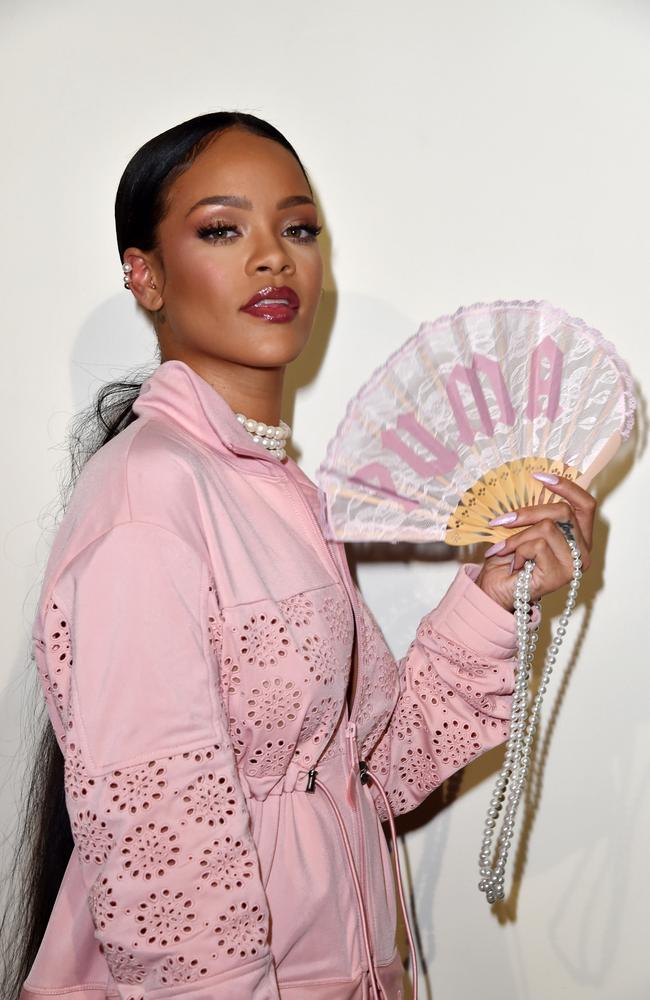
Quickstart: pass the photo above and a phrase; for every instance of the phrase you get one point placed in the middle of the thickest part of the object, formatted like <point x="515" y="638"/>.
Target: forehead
<point x="238" y="162"/>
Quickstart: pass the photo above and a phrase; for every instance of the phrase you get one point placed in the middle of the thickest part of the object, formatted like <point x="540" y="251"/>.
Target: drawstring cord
<point x="366" y="775"/>
<point x="400" y="887"/>
<point x="355" y="879"/>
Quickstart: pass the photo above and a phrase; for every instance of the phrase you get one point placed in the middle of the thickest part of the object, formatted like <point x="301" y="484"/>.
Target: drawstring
<point x="357" y="885"/>
<point x="380" y="788"/>
<point x="367" y="775"/>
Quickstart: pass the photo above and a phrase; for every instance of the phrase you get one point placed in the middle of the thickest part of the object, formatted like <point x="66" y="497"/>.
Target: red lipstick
<point x="275" y="304"/>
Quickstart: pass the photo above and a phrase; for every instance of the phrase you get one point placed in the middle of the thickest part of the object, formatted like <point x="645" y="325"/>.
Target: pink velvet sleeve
<point x="157" y="812"/>
<point x="456" y="681"/>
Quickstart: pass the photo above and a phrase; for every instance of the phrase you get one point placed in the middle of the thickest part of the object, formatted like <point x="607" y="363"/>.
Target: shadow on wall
<point x="117" y="339"/>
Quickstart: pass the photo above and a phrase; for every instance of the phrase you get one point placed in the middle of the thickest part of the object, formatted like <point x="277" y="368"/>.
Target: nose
<point x="271" y="255"/>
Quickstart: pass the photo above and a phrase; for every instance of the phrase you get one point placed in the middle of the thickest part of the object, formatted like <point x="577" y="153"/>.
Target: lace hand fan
<point x="443" y="437"/>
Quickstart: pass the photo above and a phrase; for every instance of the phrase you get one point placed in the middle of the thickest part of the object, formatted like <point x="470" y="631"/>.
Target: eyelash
<point x="209" y="232"/>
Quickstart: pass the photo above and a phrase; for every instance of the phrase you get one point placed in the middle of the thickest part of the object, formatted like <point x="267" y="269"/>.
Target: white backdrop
<point x="461" y="151"/>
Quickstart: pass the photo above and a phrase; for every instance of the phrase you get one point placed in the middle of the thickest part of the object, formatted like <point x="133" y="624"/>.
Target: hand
<point x="542" y="541"/>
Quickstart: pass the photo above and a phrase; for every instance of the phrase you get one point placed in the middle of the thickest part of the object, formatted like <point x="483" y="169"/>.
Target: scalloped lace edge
<point x="428" y="326"/>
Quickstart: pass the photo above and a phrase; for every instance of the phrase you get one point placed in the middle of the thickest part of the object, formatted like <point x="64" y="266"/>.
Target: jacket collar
<point x="178" y="394"/>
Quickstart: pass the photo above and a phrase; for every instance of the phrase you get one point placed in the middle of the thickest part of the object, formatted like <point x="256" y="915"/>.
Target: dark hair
<point x="140" y="204"/>
<point x="44" y="842"/>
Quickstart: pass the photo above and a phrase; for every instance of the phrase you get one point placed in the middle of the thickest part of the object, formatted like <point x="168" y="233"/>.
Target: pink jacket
<point x="194" y="638"/>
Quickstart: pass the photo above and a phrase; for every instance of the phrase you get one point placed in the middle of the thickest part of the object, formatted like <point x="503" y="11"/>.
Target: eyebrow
<point x="236" y="201"/>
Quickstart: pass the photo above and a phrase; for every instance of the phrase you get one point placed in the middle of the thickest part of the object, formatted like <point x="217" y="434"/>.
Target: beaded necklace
<point x="273" y="438"/>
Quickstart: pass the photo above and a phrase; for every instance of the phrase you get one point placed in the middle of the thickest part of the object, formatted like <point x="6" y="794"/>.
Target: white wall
<point x="462" y="151"/>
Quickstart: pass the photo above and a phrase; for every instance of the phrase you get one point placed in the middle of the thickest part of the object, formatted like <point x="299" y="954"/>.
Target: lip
<point x="272" y="297"/>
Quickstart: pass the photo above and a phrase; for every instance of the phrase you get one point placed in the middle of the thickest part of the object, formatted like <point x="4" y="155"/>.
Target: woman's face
<point x="241" y="221"/>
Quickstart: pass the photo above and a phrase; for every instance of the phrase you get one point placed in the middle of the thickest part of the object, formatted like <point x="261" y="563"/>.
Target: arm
<point x="455" y="683"/>
<point x="156" y="808"/>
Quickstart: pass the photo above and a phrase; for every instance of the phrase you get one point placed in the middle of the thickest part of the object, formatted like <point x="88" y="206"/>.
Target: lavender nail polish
<point x="546" y="477"/>
<point x="492" y="551"/>
<point x="503" y="519"/>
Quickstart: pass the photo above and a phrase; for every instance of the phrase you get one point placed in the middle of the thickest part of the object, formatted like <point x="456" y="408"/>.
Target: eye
<point x="218" y="232"/>
<point x="222" y="232"/>
<point x="303" y="233"/>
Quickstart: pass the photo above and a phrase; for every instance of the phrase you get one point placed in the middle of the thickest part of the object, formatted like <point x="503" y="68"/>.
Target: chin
<point x="279" y="350"/>
<point x="275" y="359"/>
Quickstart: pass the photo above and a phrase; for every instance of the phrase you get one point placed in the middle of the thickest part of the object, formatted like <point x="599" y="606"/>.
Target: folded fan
<point x="443" y="436"/>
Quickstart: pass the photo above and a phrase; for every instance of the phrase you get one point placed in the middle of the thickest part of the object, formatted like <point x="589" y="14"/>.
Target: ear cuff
<point x="127" y="268"/>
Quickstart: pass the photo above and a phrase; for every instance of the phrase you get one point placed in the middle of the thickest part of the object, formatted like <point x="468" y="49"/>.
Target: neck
<point x="255" y="392"/>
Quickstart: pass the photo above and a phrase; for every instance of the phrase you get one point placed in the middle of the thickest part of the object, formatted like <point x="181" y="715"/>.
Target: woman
<point x="225" y="704"/>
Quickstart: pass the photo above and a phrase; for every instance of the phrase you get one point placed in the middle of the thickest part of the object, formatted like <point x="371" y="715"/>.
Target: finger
<point x="526" y="540"/>
<point x="583" y="503"/>
<point x="559" y="511"/>
<point x="549" y="574"/>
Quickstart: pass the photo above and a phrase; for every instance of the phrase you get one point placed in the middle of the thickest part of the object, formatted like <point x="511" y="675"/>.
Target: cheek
<point x="203" y="273"/>
<point x="314" y="274"/>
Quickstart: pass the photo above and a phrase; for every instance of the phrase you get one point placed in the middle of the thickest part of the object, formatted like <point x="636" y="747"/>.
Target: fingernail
<point x="492" y="551"/>
<point x="546" y="477"/>
<point x="503" y="519"/>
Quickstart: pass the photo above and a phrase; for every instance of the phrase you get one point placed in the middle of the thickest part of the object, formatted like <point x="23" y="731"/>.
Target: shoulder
<point x="146" y="474"/>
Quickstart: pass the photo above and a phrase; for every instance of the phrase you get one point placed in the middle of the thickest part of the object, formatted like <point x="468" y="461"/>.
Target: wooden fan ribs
<point x="498" y="492"/>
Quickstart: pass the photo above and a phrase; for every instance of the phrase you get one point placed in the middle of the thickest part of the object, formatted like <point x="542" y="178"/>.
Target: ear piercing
<point x="127" y="268"/>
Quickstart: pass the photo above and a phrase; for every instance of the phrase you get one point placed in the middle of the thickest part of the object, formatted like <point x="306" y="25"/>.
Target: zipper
<point x="351" y="740"/>
<point x="338" y="563"/>
<point x="352" y="749"/>
<point x="357" y="815"/>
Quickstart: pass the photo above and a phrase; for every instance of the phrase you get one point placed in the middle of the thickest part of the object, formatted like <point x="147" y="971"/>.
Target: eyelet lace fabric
<point x="53" y="657"/>
<point x="158" y="839"/>
<point x="287" y="668"/>
<point x="452" y="706"/>
<point x="165" y="842"/>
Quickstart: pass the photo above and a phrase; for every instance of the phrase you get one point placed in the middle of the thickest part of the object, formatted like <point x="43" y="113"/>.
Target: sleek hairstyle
<point x="44" y="842"/>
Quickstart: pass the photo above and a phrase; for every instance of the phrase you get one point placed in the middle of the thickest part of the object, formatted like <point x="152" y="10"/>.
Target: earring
<point x="152" y="284"/>
<point x="127" y="268"/>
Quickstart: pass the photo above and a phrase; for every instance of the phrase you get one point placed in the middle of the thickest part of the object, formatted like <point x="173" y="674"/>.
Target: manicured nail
<point x="546" y="477"/>
<point x="504" y="519"/>
<point x="492" y="551"/>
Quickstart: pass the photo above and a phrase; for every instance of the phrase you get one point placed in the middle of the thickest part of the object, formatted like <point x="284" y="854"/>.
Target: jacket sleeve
<point x="455" y="687"/>
<point x="157" y="812"/>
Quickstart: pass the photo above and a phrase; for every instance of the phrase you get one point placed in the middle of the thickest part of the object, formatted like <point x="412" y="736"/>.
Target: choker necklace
<point x="272" y="438"/>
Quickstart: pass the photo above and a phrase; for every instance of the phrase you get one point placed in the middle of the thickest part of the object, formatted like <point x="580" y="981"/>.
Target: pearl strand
<point x="514" y="771"/>
<point x="273" y="438"/>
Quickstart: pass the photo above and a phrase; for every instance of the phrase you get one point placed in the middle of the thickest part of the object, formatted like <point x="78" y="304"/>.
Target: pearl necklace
<point x="273" y="438"/>
<point x="514" y="771"/>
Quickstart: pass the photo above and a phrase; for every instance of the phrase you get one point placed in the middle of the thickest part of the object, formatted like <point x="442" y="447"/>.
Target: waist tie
<point x="365" y="775"/>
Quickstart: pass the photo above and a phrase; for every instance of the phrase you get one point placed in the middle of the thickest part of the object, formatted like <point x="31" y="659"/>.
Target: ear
<point x="145" y="278"/>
